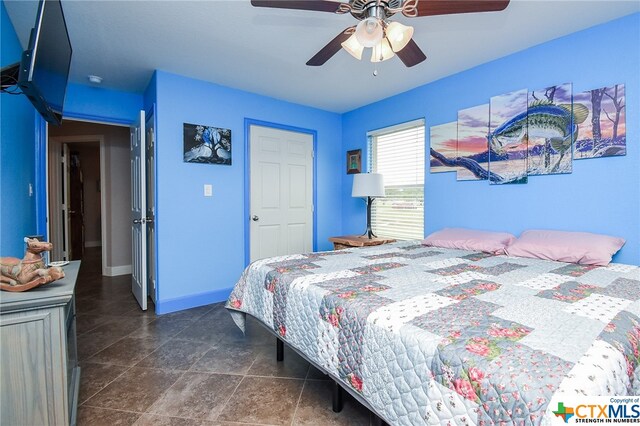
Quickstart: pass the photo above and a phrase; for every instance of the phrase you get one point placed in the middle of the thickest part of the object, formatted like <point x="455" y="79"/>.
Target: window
<point x="398" y="154"/>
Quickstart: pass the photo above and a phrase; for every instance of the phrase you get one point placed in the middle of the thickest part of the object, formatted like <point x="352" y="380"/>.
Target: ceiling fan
<point x="375" y="30"/>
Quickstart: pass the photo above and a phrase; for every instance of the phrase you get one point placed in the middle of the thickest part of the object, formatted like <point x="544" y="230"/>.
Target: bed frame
<point x="337" y="398"/>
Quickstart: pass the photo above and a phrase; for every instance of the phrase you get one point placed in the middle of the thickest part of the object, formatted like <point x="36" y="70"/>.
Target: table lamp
<point x="368" y="186"/>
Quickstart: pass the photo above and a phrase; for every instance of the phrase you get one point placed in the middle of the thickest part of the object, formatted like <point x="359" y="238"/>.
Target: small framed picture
<point x="354" y="161"/>
<point x="206" y="144"/>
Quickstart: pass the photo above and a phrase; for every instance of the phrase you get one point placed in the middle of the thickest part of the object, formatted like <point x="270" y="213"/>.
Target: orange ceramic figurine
<point x="28" y="272"/>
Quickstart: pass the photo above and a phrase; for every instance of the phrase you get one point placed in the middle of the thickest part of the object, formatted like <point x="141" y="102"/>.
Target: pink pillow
<point x="469" y="239"/>
<point x="572" y="247"/>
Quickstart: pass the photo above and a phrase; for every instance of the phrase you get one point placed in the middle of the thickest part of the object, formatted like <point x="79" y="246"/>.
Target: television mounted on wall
<point x="43" y="72"/>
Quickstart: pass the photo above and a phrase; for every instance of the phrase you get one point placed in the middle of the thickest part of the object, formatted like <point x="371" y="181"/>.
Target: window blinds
<point x="398" y="153"/>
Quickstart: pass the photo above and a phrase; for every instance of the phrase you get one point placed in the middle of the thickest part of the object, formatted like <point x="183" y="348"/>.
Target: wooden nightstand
<point x="348" y="241"/>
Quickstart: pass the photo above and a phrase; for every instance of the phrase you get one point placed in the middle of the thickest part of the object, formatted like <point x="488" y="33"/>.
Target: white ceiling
<point x="264" y="50"/>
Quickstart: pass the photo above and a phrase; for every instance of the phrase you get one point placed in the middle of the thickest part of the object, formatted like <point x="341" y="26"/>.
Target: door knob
<point x="137" y="221"/>
<point x="149" y="219"/>
<point x="255" y="218"/>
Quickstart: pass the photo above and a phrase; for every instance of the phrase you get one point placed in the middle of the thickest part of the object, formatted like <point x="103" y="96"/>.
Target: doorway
<point x="81" y="204"/>
<point x="89" y="193"/>
<point x="281" y="196"/>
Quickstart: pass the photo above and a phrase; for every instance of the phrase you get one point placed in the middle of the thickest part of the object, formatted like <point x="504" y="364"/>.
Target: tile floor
<point x="188" y="368"/>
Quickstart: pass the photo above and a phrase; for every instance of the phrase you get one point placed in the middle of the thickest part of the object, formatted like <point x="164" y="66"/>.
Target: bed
<point x="427" y="335"/>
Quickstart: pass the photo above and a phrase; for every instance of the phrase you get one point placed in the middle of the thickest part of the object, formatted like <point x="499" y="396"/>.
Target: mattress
<point x="430" y="335"/>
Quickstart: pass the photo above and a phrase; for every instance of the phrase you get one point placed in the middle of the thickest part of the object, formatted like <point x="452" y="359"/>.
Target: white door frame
<point x="54" y="143"/>
<point x="248" y="122"/>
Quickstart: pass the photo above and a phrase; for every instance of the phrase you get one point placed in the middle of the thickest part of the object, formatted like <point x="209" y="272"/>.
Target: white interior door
<point x="151" y="207"/>
<point x="66" y="220"/>
<point x="57" y="194"/>
<point x="55" y="199"/>
<point x="281" y="186"/>
<point x="138" y="213"/>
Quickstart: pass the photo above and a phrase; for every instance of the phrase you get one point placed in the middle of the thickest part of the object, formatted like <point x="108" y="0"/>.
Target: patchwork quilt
<point x="439" y="336"/>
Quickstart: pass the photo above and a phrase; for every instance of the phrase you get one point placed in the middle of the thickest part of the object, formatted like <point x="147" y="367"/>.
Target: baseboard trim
<point x="112" y="271"/>
<point x="97" y="243"/>
<point x="192" y="301"/>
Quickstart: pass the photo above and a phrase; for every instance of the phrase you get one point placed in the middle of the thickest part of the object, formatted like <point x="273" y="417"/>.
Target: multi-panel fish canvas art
<point x="473" y="149"/>
<point x="603" y="133"/>
<point x="531" y="133"/>
<point x="508" y="138"/>
<point x="551" y="128"/>
<point x="444" y="141"/>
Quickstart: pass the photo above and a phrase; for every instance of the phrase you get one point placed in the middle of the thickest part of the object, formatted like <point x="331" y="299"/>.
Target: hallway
<point x="188" y="368"/>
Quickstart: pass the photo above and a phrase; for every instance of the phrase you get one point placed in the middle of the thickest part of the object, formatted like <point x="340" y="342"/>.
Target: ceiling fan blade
<point x="411" y="54"/>
<point x="446" y="7"/>
<point x="330" y="49"/>
<point x="318" y="5"/>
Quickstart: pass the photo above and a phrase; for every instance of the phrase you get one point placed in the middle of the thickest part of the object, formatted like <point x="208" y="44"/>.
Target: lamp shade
<point x="382" y="51"/>
<point x="368" y="185"/>
<point x="369" y="32"/>
<point x="398" y="35"/>
<point x="353" y="47"/>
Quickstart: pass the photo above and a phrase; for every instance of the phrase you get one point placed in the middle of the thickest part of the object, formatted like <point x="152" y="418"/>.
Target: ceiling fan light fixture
<point x="382" y="51"/>
<point x="369" y="32"/>
<point x="353" y="46"/>
<point x="398" y="35"/>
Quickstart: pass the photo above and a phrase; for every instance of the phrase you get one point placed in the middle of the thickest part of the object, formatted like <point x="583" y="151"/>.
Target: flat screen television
<point x="44" y="69"/>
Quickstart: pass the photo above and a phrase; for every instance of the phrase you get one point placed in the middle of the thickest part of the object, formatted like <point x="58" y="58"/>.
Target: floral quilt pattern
<point x="440" y="336"/>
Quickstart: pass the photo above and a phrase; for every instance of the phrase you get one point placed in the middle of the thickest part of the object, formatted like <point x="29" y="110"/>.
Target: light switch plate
<point x="208" y="190"/>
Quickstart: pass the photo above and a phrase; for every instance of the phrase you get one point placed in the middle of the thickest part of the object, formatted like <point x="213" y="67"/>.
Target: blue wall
<point x="150" y="94"/>
<point x="22" y="144"/>
<point x="201" y="248"/>
<point x="601" y="195"/>
<point x="17" y="155"/>
<point x="99" y="104"/>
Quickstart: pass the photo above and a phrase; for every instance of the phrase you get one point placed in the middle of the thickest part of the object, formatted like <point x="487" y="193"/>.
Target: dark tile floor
<point x="188" y="368"/>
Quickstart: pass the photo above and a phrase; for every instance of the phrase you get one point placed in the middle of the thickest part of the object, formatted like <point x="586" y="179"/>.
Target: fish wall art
<point x="551" y="128"/>
<point x="444" y="140"/>
<point x="508" y="138"/>
<point x="603" y="133"/>
<point x="473" y="126"/>
<point x="531" y="133"/>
